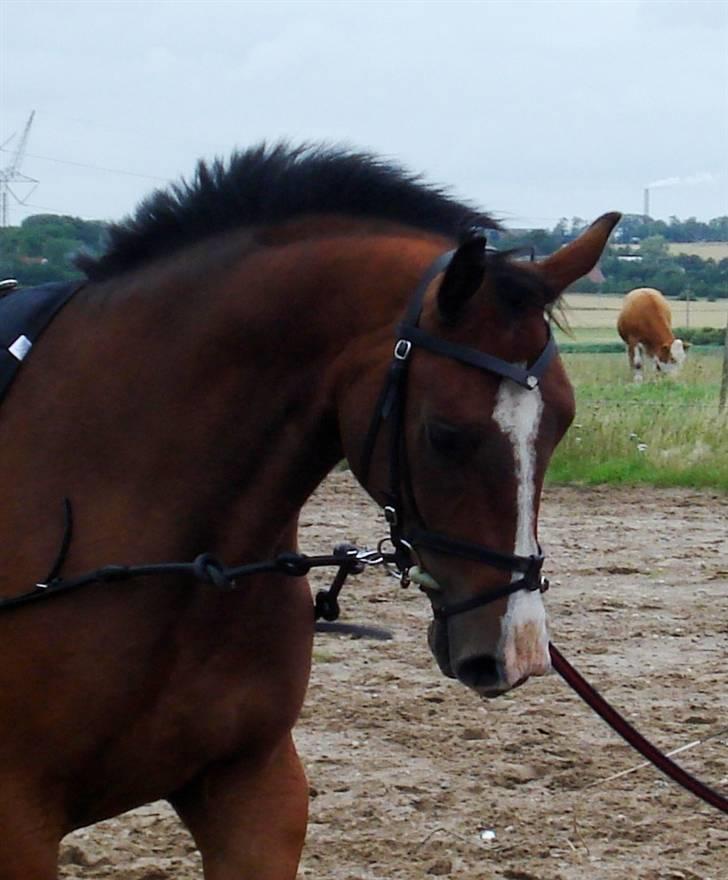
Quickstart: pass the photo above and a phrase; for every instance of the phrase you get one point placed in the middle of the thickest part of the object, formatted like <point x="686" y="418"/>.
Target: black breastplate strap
<point x="390" y="408"/>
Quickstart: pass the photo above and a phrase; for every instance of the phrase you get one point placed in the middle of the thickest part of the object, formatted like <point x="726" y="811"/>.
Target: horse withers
<point x="234" y="343"/>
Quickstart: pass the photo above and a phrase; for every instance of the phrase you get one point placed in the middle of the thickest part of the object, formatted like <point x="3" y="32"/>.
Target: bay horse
<point x="224" y="353"/>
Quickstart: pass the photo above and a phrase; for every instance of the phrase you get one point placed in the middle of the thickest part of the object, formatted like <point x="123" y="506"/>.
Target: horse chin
<point x="439" y="642"/>
<point x="492" y="693"/>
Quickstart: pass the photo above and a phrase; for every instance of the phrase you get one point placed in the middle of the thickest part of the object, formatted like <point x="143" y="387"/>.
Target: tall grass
<point x="664" y="432"/>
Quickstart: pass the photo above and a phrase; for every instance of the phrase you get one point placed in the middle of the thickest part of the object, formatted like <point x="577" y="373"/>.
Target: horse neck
<point x="244" y="380"/>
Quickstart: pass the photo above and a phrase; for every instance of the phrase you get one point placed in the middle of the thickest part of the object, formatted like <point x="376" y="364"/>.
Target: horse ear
<point x="580" y="256"/>
<point x="463" y="276"/>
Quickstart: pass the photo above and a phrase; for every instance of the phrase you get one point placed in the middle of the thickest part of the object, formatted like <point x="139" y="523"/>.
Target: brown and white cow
<point x="645" y="324"/>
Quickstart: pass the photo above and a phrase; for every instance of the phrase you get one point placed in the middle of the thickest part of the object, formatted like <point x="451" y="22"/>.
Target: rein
<point x="620" y="725"/>
<point x="208" y="569"/>
<point x="352" y="560"/>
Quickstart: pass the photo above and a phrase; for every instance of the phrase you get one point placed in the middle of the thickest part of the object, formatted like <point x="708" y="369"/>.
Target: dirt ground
<point x="413" y="776"/>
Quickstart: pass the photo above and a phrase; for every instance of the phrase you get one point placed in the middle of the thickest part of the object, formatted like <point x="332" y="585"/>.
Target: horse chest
<point x="195" y="719"/>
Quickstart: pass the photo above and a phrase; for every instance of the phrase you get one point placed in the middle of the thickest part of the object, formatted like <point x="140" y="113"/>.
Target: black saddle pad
<point x="24" y="315"/>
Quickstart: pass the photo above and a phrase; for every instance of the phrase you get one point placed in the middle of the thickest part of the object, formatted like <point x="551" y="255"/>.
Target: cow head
<point x="670" y="358"/>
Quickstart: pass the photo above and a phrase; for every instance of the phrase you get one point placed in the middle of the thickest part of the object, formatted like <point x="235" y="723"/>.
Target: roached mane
<point x="270" y="184"/>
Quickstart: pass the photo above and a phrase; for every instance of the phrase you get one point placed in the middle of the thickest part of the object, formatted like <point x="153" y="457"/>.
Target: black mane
<point x="270" y="184"/>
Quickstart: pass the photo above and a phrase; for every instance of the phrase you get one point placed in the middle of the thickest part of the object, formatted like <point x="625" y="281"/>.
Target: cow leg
<point x="248" y="818"/>
<point x="635" y="360"/>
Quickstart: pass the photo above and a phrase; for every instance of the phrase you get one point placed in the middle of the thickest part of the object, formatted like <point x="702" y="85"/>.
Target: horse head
<point x="459" y="444"/>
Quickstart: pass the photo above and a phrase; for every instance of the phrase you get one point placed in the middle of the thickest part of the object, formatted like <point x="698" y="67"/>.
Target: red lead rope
<point x="635" y="739"/>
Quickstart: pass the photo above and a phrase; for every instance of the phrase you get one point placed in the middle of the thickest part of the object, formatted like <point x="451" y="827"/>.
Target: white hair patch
<point x="518" y="413"/>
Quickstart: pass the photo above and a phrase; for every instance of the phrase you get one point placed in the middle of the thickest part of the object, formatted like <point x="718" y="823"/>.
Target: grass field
<point x="716" y="250"/>
<point x="593" y="317"/>
<point x="664" y="432"/>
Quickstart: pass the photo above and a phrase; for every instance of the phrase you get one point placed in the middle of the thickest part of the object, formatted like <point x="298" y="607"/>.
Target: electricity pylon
<point x="11" y="174"/>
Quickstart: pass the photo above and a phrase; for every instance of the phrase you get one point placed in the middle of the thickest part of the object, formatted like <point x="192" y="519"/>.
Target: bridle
<point x="349" y="559"/>
<point x="390" y="409"/>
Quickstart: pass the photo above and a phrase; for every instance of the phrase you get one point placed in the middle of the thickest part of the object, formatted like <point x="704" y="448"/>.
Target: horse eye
<point x="450" y="442"/>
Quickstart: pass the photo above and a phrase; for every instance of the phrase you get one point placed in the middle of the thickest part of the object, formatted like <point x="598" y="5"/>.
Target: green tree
<point x="52" y="238"/>
<point x="653" y="248"/>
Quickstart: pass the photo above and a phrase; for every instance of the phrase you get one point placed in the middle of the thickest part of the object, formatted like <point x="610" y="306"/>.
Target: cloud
<point x="158" y="60"/>
<point x="700" y="177"/>
<point x="681" y="15"/>
<point x="297" y="46"/>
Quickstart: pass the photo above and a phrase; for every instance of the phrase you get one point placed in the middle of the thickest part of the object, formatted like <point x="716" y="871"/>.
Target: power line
<point x="54" y="210"/>
<point x="93" y="167"/>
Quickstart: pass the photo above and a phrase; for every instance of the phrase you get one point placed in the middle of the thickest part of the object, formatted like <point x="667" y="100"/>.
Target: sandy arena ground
<point x="412" y="776"/>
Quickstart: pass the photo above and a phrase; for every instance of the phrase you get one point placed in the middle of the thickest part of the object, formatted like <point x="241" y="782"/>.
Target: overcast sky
<point x="532" y="110"/>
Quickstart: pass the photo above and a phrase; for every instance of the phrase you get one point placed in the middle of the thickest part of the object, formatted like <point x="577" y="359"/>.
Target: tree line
<point x="639" y="255"/>
<point x="632" y="229"/>
<point x="42" y="249"/>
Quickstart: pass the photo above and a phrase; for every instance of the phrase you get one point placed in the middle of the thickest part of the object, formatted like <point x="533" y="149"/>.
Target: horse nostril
<point x="479" y="672"/>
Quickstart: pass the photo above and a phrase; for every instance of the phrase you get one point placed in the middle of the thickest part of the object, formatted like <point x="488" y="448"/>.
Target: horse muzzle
<point x="490" y="653"/>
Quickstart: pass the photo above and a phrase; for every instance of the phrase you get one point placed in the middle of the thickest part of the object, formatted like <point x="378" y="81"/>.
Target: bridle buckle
<point x="402" y="349"/>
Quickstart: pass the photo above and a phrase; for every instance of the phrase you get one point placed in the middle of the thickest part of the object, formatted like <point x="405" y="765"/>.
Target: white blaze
<point x="524" y="639"/>
<point x="518" y="414"/>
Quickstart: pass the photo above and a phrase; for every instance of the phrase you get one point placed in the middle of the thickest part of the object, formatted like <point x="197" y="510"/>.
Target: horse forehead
<point x="518" y="410"/>
<point x="518" y="338"/>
